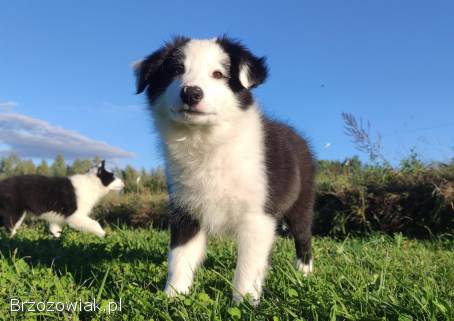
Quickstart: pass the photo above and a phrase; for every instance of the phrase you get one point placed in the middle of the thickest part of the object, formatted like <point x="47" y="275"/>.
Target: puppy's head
<point x="200" y="82"/>
<point x="108" y="179"/>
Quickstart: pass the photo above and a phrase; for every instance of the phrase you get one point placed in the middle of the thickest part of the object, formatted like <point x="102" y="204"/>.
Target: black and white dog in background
<point x="58" y="200"/>
<point x="229" y="168"/>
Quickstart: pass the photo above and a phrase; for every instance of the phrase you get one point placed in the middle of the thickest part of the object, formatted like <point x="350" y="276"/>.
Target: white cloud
<point x="30" y="137"/>
<point x="8" y="105"/>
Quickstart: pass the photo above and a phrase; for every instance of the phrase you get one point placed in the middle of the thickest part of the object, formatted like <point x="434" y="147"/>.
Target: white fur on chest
<point x="88" y="191"/>
<point x="218" y="174"/>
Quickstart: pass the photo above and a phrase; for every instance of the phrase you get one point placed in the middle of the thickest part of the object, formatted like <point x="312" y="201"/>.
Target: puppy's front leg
<point x="83" y="223"/>
<point x="187" y="250"/>
<point x="255" y="238"/>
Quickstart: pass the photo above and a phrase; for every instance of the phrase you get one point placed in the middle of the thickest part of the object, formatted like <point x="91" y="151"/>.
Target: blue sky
<point x="67" y="63"/>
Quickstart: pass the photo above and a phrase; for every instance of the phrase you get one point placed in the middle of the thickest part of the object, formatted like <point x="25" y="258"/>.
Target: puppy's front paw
<point x="57" y="234"/>
<point x="101" y="233"/>
<point x="252" y="297"/>
<point x="173" y="291"/>
<point x="55" y="230"/>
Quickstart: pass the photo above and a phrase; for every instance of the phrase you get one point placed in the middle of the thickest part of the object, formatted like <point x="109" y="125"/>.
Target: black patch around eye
<point x="159" y="69"/>
<point x="239" y="55"/>
<point x="106" y="177"/>
<point x="171" y="68"/>
<point x="178" y="69"/>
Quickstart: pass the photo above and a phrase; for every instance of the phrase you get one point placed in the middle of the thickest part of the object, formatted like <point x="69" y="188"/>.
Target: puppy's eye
<point x="217" y="74"/>
<point x="178" y="70"/>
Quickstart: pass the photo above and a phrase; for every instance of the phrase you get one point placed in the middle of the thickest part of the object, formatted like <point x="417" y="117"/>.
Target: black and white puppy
<point x="229" y="168"/>
<point x="58" y="200"/>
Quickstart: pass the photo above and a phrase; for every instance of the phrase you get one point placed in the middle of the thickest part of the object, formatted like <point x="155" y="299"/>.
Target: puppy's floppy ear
<point x="100" y="167"/>
<point x="147" y="69"/>
<point x="252" y="71"/>
<point x="248" y="69"/>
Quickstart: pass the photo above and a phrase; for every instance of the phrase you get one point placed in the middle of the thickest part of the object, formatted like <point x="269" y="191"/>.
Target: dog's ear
<point x="252" y="70"/>
<point x="144" y="69"/>
<point x="100" y="167"/>
<point x="147" y="68"/>
<point x="248" y="69"/>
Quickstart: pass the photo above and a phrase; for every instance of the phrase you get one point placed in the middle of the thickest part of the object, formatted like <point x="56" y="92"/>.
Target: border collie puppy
<point x="58" y="200"/>
<point x="229" y="168"/>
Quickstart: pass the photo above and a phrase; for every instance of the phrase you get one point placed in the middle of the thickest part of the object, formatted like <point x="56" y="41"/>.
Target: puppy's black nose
<point x="191" y="95"/>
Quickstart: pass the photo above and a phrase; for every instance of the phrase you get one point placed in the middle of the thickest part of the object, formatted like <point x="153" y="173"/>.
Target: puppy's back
<point x="38" y="194"/>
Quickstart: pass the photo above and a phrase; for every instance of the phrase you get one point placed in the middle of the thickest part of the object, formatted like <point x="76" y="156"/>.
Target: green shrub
<point x="415" y="199"/>
<point x="134" y="209"/>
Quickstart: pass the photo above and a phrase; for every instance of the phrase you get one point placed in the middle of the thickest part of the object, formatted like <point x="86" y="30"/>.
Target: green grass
<point x="376" y="278"/>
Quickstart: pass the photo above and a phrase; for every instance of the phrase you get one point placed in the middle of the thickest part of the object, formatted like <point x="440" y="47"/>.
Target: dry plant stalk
<point x="361" y="137"/>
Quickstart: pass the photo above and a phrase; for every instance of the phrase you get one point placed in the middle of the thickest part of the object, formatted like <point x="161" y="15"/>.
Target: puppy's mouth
<point x="117" y="189"/>
<point x="193" y="112"/>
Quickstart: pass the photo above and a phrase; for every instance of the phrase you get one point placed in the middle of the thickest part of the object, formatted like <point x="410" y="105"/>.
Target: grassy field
<point x="376" y="278"/>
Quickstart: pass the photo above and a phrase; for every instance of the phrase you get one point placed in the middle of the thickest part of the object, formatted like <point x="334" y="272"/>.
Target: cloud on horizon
<point x="26" y="136"/>
<point x="8" y="105"/>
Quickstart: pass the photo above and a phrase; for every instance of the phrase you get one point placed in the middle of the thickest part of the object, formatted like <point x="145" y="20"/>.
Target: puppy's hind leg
<point x="17" y="224"/>
<point x="299" y="220"/>
<point x="83" y="223"/>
